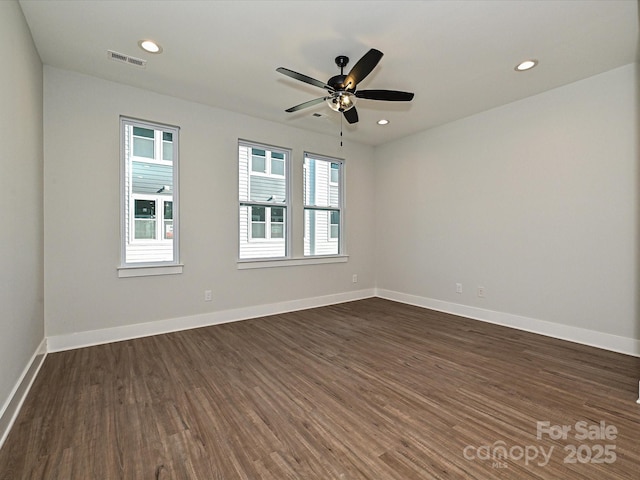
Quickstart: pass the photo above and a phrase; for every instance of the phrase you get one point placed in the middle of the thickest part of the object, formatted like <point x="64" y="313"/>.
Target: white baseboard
<point x="71" y="341"/>
<point x="606" y="341"/>
<point x="10" y="409"/>
<point x="12" y="406"/>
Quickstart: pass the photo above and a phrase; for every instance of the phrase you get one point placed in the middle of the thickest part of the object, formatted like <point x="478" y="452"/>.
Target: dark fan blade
<point x="351" y="115"/>
<point x="306" y="104"/>
<point x="388" y="95"/>
<point x="303" y="78"/>
<point x="362" y="68"/>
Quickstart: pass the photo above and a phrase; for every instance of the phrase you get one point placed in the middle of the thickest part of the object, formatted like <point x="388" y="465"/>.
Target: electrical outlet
<point x="208" y="295"/>
<point x="458" y="288"/>
<point x="354" y="279"/>
<point x="481" y="292"/>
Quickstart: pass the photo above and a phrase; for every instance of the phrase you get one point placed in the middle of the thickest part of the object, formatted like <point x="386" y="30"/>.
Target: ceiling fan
<point x="342" y="89"/>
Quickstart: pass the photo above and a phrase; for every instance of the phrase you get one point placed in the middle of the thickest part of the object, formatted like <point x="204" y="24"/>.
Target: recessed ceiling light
<point x="150" y="46"/>
<point x="526" y="65"/>
<point x="383" y="121"/>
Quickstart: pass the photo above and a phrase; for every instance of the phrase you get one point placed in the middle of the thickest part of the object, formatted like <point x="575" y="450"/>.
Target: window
<point x="335" y="224"/>
<point x="263" y="192"/>
<point x="149" y="199"/>
<point x="335" y="174"/>
<point x="323" y="179"/>
<point x="267" y="162"/>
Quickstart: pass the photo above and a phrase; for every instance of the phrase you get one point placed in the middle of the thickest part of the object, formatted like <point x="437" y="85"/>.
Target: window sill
<point x="291" y="262"/>
<point x="149" y="271"/>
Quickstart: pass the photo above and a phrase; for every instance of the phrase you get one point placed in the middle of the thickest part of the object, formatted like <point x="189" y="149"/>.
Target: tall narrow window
<point x="323" y="179"/>
<point x="149" y="193"/>
<point x="263" y="193"/>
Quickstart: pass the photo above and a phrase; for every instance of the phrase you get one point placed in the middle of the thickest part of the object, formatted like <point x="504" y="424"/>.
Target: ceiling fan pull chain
<point x="340" y="130"/>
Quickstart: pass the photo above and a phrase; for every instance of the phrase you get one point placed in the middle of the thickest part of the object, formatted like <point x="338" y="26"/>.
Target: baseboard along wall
<point x="72" y="341"/>
<point x="56" y="343"/>
<point x="12" y="406"/>
<point x="605" y="341"/>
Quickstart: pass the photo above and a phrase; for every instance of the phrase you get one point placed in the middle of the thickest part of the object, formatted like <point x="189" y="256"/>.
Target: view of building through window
<point x="322" y="205"/>
<point x="264" y="205"/>
<point x="264" y="201"/>
<point x="149" y="157"/>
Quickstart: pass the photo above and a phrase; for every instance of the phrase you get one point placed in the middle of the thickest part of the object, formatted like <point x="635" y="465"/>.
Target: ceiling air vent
<point x="121" y="57"/>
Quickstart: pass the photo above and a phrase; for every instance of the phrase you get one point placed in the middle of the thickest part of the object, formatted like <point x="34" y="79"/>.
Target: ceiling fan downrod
<point x="341" y="62"/>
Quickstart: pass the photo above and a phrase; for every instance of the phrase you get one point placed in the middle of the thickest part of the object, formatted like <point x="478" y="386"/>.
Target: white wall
<point x="21" y="250"/>
<point x="536" y="201"/>
<point x="82" y="227"/>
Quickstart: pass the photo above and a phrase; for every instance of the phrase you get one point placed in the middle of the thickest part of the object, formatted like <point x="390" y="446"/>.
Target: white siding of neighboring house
<point x="149" y="252"/>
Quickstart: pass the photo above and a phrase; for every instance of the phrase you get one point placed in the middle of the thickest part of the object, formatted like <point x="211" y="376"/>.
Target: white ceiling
<point x="458" y="57"/>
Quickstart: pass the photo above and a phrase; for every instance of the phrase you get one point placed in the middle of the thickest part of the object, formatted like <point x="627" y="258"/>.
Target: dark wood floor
<point x="363" y="390"/>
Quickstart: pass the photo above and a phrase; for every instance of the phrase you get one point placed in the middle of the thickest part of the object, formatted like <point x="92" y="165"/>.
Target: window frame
<point x="268" y="205"/>
<point x="328" y="208"/>
<point x="127" y="200"/>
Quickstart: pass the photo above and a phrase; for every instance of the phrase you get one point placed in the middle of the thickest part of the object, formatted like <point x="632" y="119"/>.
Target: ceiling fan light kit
<point x="342" y="89"/>
<point x="341" y="102"/>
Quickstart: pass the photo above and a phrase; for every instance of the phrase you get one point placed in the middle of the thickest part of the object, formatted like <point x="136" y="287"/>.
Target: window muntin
<point x="263" y="192"/>
<point x="323" y="179"/>
<point x="149" y="199"/>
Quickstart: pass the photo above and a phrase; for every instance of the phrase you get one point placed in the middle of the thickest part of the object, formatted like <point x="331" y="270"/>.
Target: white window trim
<point x="340" y="208"/>
<point x="289" y="260"/>
<point x="250" y="264"/>
<point x="286" y="204"/>
<point x="137" y="269"/>
<point x="149" y="270"/>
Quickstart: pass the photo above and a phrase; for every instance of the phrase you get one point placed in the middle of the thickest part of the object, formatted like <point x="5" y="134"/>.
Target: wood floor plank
<point x="365" y="390"/>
